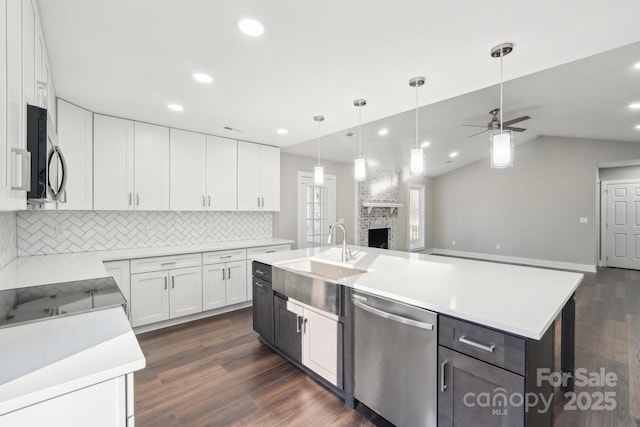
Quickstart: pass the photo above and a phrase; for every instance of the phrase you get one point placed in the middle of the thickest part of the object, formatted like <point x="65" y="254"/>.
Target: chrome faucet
<point x="346" y="255"/>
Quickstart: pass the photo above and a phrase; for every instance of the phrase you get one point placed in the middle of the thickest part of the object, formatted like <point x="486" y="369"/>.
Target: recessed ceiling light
<point x="175" y="107"/>
<point x="426" y="144"/>
<point x="202" y="78"/>
<point x="282" y="131"/>
<point x="453" y="154"/>
<point x="637" y="66"/>
<point x="638" y="127"/>
<point x="383" y="131"/>
<point x="635" y="106"/>
<point x="250" y="27"/>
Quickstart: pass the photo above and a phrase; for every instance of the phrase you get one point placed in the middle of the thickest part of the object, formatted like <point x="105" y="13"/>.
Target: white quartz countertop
<point x="520" y="300"/>
<point x="42" y="360"/>
<point x="47" y="269"/>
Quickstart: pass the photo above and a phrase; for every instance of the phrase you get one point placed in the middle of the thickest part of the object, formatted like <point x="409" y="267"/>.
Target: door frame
<point x="328" y="179"/>
<point x="604" y="216"/>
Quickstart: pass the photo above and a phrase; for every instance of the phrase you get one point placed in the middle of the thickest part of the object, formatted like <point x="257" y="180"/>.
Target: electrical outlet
<point x="498" y="246"/>
<point x="584" y="220"/>
<point x="453" y="243"/>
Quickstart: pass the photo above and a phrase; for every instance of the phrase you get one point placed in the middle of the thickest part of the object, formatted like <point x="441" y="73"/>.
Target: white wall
<point x="625" y="172"/>
<point x="285" y="222"/>
<point x="532" y="209"/>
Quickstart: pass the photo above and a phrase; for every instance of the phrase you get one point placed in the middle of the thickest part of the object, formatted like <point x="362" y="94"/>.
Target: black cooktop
<point x="24" y="305"/>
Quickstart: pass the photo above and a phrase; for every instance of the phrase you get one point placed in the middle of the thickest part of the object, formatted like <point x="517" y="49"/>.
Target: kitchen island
<point x="494" y="322"/>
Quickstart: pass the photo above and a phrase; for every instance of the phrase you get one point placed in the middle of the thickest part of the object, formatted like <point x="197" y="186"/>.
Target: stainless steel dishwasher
<point x="395" y="360"/>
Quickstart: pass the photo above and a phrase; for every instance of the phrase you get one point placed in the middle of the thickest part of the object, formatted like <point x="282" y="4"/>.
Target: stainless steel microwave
<point x="48" y="169"/>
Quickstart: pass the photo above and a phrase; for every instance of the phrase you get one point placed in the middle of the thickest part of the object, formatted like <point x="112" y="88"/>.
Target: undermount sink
<point x="323" y="269"/>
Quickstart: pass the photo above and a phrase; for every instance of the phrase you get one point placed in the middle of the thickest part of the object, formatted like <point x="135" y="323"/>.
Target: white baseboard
<point x="589" y="268"/>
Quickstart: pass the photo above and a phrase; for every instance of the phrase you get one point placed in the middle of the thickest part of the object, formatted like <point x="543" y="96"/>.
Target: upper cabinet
<point x="222" y="175"/>
<point x="188" y="171"/>
<point x="151" y="177"/>
<point x="258" y="177"/>
<point x="75" y="138"/>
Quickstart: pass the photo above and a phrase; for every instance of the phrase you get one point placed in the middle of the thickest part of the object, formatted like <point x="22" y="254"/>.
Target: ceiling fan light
<point x="501" y="150"/>
<point x="360" y="169"/>
<point x="417" y="161"/>
<point x="318" y="175"/>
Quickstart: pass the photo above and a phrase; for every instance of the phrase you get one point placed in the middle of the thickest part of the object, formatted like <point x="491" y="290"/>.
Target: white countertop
<point x="42" y="360"/>
<point x="520" y="300"/>
<point x="47" y="269"/>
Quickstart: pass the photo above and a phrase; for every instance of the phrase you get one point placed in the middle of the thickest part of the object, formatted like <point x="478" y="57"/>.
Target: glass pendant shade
<point x="501" y="149"/>
<point x="417" y="161"/>
<point x="318" y="175"/>
<point x="360" y="169"/>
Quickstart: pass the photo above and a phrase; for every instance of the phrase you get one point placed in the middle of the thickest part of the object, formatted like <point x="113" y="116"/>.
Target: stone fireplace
<point x="381" y="186"/>
<point x="379" y="238"/>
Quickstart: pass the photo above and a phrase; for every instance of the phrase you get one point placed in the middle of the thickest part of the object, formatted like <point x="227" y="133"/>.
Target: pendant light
<point x="417" y="153"/>
<point x="360" y="163"/>
<point x="501" y="140"/>
<point x="318" y="171"/>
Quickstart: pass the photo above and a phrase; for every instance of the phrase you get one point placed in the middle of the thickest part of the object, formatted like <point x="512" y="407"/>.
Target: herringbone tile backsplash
<point x="8" y="246"/>
<point x="53" y="232"/>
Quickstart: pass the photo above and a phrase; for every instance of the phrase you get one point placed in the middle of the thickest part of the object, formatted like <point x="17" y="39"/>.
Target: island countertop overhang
<point x="523" y="301"/>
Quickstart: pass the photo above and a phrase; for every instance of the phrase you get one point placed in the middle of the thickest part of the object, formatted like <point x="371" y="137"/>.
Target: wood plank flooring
<point x="215" y="372"/>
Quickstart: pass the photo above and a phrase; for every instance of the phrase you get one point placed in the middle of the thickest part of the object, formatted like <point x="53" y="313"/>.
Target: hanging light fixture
<point x="417" y="153"/>
<point x="501" y="140"/>
<point x="318" y="171"/>
<point x="360" y="163"/>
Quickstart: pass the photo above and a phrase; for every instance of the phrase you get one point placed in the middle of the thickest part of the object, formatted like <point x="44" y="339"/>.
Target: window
<point x="416" y="217"/>
<point x="316" y="210"/>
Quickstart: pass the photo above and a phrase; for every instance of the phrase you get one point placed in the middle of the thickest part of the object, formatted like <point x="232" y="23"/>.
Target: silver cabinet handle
<point x="463" y="339"/>
<point x="165" y="282"/>
<point x="223" y="278"/>
<point x="304" y="325"/>
<point x="443" y="384"/>
<point x="137" y="199"/>
<point x="393" y="317"/>
<point x="168" y="263"/>
<point x="263" y="202"/>
<point x="173" y="282"/>
<point x="298" y="319"/>
<point x="130" y="198"/>
<point x="203" y="201"/>
<point x="269" y="252"/>
<point x="229" y="270"/>
<point x="226" y="256"/>
<point x="258" y="201"/>
<point x="25" y="177"/>
<point x="258" y="284"/>
<point x="209" y="200"/>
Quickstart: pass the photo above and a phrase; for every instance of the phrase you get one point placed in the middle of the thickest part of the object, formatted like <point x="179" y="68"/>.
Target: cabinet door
<point x="188" y="170"/>
<point x="213" y="286"/>
<point x="5" y="153"/>
<point x="263" y="309"/>
<point x="151" y="167"/>
<point x="186" y="291"/>
<point x="270" y="178"/>
<point x="222" y="174"/>
<point x="112" y="163"/>
<point x="28" y="53"/>
<point x="248" y="177"/>
<point x="320" y="345"/>
<point x="465" y="376"/>
<point x="75" y="137"/>
<point x="286" y="331"/>
<point x="120" y="272"/>
<point x="149" y="297"/>
<point x="236" y="282"/>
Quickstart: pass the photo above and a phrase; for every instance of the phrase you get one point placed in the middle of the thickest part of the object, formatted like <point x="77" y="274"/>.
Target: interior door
<point x="186" y="291"/>
<point x="623" y="225"/>
<point x="222" y="174"/>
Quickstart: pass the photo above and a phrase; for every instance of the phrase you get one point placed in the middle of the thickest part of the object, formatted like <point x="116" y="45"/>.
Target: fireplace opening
<point x="379" y="238"/>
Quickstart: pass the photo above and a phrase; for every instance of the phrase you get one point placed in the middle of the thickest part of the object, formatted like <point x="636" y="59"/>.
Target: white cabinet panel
<point x="113" y="155"/>
<point x="185" y="296"/>
<point x="213" y="286"/>
<point x="270" y="178"/>
<point x="28" y="53"/>
<point x="151" y="167"/>
<point x="248" y="176"/>
<point x="149" y="297"/>
<point x="75" y="137"/>
<point x="188" y="170"/>
<point x="145" y="265"/>
<point x="120" y="272"/>
<point x="320" y="345"/>
<point x="5" y="165"/>
<point x="224" y="256"/>
<point x="236" y="282"/>
<point x="222" y="172"/>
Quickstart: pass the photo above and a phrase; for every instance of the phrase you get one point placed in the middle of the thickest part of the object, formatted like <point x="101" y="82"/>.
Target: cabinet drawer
<point x="145" y="265"/>
<point x="495" y="347"/>
<point x="224" y="256"/>
<point x="262" y="271"/>
<point x="251" y="252"/>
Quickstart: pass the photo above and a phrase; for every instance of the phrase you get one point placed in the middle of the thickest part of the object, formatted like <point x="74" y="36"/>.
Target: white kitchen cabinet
<point x="258" y="177"/>
<point x="222" y="175"/>
<point x="120" y="271"/>
<point x="28" y="53"/>
<point x="75" y="138"/>
<point x="151" y="167"/>
<point x="236" y="282"/>
<point x="113" y="154"/>
<point x="319" y="340"/>
<point x="185" y="294"/>
<point x="214" y="288"/>
<point x="149" y="297"/>
<point x="188" y="171"/>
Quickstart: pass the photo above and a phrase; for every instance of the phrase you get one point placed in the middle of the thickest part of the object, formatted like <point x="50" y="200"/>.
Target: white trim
<point x="604" y="216"/>
<point x="423" y="196"/>
<point x="619" y="164"/>
<point x="329" y="182"/>
<point x="517" y="260"/>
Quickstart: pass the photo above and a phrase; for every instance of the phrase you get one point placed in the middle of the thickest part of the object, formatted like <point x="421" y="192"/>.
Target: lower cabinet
<point x="120" y="272"/>
<point x="162" y="295"/>
<point x="224" y="284"/>
<point x="287" y="329"/>
<point x="263" y="309"/>
<point x="253" y="252"/>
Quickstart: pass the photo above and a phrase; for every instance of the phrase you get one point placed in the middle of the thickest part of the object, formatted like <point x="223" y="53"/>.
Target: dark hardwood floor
<point x="215" y="372"/>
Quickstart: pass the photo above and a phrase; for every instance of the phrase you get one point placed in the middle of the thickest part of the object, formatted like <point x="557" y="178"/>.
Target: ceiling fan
<point x="494" y="124"/>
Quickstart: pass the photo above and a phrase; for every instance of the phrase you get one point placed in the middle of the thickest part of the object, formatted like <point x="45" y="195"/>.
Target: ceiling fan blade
<point x="471" y="136"/>
<point x="514" y="121"/>
<point x="514" y="129"/>
<point x="475" y="126"/>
